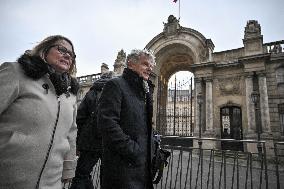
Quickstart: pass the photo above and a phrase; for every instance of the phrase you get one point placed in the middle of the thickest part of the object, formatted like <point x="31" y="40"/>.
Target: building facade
<point x="228" y="82"/>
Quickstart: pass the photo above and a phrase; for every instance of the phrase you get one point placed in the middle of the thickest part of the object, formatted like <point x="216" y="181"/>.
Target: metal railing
<point x="210" y="168"/>
<point x="279" y="161"/>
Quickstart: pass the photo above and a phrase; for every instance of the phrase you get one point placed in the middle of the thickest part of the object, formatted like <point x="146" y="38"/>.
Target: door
<point x="231" y="127"/>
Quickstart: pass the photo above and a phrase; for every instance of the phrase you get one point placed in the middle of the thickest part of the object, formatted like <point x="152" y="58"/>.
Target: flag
<point x="175" y="1"/>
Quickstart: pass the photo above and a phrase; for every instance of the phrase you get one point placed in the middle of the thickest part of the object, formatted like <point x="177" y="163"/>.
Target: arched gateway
<point x="179" y="49"/>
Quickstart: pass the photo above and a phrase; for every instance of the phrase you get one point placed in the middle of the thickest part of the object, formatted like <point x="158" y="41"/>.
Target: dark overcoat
<point x="88" y="135"/>
<point x="124" y="117"/>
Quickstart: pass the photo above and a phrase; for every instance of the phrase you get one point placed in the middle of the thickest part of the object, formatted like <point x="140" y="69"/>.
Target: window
<point x="281" y="117"/>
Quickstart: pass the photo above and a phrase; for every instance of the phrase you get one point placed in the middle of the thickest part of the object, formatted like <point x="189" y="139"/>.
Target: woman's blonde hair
<point x="41" y="50"/>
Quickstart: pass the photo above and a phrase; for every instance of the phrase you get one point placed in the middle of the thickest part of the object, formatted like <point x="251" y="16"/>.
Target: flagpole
<point x="179" y="9"/>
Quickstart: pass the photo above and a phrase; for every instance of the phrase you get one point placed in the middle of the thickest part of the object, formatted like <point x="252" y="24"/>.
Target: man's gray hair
<point x="136" y="53"/>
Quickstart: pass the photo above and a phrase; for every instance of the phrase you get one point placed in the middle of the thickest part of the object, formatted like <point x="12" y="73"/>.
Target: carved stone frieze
<point x="203" y="56"/>
<point x="120" y="62"/>
<point x="252" y="29"/>
<point x="172" y="26"/>
<point x="229" y="86"/>
<point x="121" y="57"/>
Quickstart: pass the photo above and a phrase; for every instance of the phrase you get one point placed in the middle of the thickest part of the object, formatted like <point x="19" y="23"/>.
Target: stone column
<point x="209" y="105"/>
<point x="250" y="105"/>
<point x="264" y="108"/>
<point x="198" y="89"/>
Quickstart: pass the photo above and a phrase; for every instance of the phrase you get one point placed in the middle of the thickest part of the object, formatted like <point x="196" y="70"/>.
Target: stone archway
<point x="177" y="49"/>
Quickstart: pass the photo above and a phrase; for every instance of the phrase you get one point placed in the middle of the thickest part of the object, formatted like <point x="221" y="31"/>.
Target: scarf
<point x="35" y="68"/>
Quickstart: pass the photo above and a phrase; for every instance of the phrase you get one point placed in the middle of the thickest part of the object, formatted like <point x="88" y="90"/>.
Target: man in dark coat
<point x="89" y="140"/>
<point x="125" y="117"/>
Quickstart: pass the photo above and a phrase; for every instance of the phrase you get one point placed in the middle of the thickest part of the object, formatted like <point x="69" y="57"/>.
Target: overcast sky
<point x="101" y="28"/>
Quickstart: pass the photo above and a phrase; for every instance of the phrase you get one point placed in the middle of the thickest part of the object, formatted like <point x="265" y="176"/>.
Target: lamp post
<point x="255" y="99"/>
<point x="199" y="101"/>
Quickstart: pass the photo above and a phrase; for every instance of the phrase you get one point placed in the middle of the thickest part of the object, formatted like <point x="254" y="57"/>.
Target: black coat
<point x="124" y="117"/>
<point x="89" y="137"/>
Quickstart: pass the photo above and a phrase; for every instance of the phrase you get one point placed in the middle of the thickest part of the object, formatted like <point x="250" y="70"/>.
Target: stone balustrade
<point x="275" y="47"/>
<point x="88" y="79"/>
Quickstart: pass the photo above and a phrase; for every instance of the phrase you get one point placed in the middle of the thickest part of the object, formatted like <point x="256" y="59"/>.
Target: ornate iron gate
<point x="175" y="107"/>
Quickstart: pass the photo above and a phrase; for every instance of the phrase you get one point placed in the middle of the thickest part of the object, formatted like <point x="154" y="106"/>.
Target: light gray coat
<point x="28" y="115"/>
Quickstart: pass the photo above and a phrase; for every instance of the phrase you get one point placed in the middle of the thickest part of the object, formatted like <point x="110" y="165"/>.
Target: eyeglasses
<point x="64" y="51"/>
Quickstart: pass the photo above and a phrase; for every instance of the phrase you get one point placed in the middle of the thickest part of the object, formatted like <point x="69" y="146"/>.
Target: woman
<point x="38" y="117"/>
